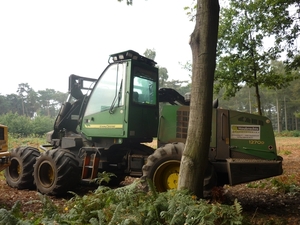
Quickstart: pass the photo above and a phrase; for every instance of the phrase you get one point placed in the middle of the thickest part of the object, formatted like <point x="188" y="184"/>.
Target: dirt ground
<point x="263" y="201"/>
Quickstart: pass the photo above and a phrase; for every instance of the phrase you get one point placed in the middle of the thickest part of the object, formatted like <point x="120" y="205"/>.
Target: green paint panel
<point x="144" y="121"/>
<point x="167" y="123"/>
<point x="105" y="124"/>
<point x="252" y="134"/>
<point x="173" y="125"/>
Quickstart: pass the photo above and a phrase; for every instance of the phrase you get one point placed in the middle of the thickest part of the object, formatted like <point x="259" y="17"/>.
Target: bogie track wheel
<point x="56" y="172"/>
<point x="162" y="168"/>
<point x="19" y="173"/>
<point x="166" y="175"/>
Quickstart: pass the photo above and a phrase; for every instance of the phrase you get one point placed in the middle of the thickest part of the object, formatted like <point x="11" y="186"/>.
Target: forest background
<point x="29" y="111"/>
<point x="256" y="71"/>
<point x="33" y="112"/>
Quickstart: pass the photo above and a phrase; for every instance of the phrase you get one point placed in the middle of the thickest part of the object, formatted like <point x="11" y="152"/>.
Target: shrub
<point x="130" y="205"/>
<point x="17" y="124"/>
<point x="24" y="126"/>
<point x="42" y="125"/>
<point x="288" y="133"/>
<point x="286" y="184"/>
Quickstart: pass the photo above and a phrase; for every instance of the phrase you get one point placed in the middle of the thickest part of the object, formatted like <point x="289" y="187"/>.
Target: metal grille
<point x="182" y="123"/>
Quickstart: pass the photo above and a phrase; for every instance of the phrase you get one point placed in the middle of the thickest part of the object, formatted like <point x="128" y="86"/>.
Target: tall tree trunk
<point x="203" y="44"/>
<point x="285" y="114"/>
<point x="23" y="107"/>
<point x="278" y="114"/>
<point x="250" y="106"/>
<point x="257" y="95"/>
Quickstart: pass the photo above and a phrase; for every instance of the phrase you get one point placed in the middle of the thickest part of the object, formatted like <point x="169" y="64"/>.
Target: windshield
<point x="108" y="92"/>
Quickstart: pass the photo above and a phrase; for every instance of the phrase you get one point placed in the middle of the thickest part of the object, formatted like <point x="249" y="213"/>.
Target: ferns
<point x="130" y="205"/>
<point x="10" y="217"/>
<point x="183" y="209"/>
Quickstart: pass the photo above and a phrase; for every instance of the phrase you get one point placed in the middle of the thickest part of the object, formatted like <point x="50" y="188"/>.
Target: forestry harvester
<point x="105" y="123"/>
<point x="4" y="153"/>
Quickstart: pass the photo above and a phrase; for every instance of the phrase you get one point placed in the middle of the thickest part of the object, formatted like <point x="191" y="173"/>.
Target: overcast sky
<point x="42" y="42"/>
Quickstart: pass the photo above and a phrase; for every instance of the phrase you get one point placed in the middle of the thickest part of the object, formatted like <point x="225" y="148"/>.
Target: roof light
<point x="130" y="55"/>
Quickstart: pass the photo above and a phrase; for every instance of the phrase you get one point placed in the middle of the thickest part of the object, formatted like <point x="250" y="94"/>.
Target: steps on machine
<point x="90" y="165"/>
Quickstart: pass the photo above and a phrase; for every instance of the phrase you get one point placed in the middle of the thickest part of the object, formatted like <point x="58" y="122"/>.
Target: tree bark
<point x="257" y="95"/>
<point x="203" y="45"/>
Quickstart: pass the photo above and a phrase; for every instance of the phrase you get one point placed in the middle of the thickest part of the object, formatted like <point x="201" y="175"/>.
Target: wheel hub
<point x="166" y="175"/>
<point x="14" y="169"/>
<point x="46" y="174"/>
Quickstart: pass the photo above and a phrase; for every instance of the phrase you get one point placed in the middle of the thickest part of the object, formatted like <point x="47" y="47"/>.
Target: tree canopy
<point x="28" y="102"/>
<point x="252" y="35"/>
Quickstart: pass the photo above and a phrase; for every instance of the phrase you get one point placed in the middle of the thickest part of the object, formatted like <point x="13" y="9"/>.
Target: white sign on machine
<point x="245" y="132"/>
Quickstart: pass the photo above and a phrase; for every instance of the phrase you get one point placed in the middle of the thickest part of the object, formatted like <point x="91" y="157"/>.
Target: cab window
<point x="144" y="88"/>
<point x="108" y="92"/>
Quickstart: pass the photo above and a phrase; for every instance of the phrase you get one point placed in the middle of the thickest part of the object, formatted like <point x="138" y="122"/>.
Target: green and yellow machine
<point x="106" y="123"/>
<point x="4" y="153"/>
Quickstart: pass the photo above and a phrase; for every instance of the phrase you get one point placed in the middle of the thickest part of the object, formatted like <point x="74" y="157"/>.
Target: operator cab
<point x="123" y="104"/>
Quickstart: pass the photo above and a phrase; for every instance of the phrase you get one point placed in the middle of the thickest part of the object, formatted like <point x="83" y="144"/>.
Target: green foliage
<point x="25" y="126"/>
<point x="17" y="124"/>
<point x="49" y="209"/>
<point x="29" y="102"/>
<point x="257" y="184"/>
<point x="130" y="205"/>
<point x="288" y="133"/>
<point x="15" y="141"/>
<point x="243" y="56"/>
<point x="150" y="53"/>
<point x="163" y="76"/>
<point x="50" y="213"/>
<point x="283" y="102"/>
<point x="2" y="175"/>
<point x="103" y="177"/>
<point x="285" y="152"/>
<point x="13" y="216"/>
<point x="42" y="125"/>
<point x="191" y="11"/>
<point x="286" y="184"/>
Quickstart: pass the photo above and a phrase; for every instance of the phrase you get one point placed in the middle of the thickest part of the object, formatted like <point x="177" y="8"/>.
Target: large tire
<point x="19" y="173"/>
<point x="56" y="172"/>
<point x="162" y="168"/>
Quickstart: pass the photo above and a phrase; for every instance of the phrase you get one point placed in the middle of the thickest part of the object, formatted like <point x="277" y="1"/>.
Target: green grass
<point x="2" y="175"/>
<point x="35" y="141"/>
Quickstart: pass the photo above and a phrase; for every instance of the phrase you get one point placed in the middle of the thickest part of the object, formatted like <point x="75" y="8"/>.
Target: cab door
<point x="105" y="111"/>
<point x="143" y="108"/>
